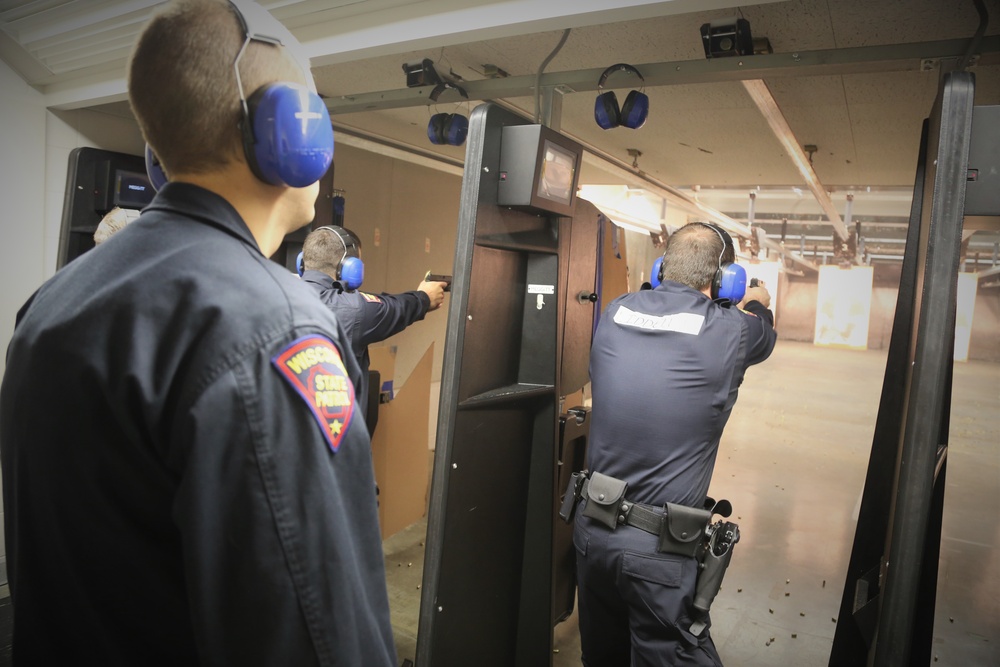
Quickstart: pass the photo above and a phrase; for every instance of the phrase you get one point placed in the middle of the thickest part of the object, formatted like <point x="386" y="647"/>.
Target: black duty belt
<point x="645" y="517"/>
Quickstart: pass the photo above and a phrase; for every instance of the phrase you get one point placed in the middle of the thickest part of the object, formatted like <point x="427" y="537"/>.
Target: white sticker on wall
<point x="541" y="289"/>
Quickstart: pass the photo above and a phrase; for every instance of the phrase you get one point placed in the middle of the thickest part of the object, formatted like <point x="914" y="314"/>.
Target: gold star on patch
<point x="336" y="428"/>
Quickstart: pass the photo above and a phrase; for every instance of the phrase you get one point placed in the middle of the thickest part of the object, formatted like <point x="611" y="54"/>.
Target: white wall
<point x="22" y="178"/>
<point x="34" y="155"/>
<point x="22" y="191"/>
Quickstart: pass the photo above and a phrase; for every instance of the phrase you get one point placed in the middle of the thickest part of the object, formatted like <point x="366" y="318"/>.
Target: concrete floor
<point x="793" y="462"/>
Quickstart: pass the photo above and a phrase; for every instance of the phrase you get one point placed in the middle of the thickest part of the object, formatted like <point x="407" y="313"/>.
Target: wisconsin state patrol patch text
<point x="312" y="365"/>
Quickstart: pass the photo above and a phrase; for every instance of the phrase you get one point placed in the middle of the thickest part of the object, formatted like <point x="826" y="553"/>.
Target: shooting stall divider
<point x="498" y="568"/>
<point x="887" y="610"/>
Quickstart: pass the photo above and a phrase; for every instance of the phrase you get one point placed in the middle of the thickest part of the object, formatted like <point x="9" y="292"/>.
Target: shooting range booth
<point x="887" y="611"/>
<point x="499" y="568"/>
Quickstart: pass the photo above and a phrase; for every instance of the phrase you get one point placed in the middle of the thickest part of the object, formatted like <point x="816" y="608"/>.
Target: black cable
<point x="984" y="19"/>
<point x="538" y="77"/>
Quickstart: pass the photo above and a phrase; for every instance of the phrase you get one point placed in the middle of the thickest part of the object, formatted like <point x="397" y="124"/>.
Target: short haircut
<point x="692" y="255"/>
<point x="182" y="85"/>
<point x="323" y="250"/>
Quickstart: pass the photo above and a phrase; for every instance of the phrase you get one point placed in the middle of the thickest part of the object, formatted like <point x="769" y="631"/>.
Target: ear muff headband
<point x="286" y="129"/>
<point x="730" y="281"/>
<point x="350" y="268"/>
<point x="632" y="113"/>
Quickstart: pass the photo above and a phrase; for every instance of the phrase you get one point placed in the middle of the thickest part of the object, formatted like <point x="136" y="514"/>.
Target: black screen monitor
<point x="539" y="169"/>
<point x="132" y="189"/>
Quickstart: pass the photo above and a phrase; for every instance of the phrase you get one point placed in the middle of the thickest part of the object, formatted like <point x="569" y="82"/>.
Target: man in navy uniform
<point x="665" y="368"/>
<point x="331" y="259"/>
<point x="187" y="476"/>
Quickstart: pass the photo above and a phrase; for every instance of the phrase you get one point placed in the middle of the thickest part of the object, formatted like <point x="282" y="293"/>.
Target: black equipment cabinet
<point x="93" y="179"/>
<point x="98" y="180"/>
<point x="498" y="566"/>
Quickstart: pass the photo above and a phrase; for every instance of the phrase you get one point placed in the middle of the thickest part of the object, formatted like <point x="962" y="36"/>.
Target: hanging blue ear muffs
<point x="730" y="281"/>
<point x="286" y="129"/>
<point x="632" y="113"/>
<point x="448" y="128"/>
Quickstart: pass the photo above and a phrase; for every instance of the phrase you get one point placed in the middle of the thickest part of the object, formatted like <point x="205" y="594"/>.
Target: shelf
<point x="534" y="241"/>
<point x="508" y="394"/>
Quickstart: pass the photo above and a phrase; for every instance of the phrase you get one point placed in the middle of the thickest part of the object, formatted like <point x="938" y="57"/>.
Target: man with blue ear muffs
<point x="187" y="475"/>
<point x="665" y="368"/>
<point x="331" y="264"/>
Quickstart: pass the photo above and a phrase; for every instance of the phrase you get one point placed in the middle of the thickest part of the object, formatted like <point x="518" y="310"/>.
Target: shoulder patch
<point x="370" y="297"/>
<point x="312" y="365"/>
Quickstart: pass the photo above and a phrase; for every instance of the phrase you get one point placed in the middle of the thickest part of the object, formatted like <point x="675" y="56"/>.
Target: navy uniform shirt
<point x="187" y="477"/>
<point x="368" y="318"/>
<point x="665" y="368"/>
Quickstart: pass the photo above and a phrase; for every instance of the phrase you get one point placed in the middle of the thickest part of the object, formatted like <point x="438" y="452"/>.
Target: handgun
<point x="438" y="278"/>
<point x="754" y="282"/>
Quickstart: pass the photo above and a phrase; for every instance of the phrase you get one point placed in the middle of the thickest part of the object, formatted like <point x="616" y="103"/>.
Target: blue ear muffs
<point x="350" y="268"/>
<point x="632" y="113"/>
<point x="287" y="135"/>
<point x="606" y="111"/>
<point x="351" y="272"/>
<point x="634" y="110"/>
<point x="456" y="130"/>
<point x="730" y="281"/>
<point x="435" y="128"/>
<point x="448" y="128"/>
<point x="286" y="129"/>
<point x="656" y="273"/>
<point x="299" y="266"/>
<point x="157" y="177"/>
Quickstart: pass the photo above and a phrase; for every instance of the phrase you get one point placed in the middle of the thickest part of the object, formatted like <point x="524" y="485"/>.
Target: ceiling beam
<point x="768" y="106"/>
<point x="374" y="28"/>
<point x="865" y="59"/>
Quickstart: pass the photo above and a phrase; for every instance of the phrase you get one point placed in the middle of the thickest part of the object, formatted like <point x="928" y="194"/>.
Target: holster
<point x="682" y="530"/>
<point x="572" y="496"/>
<point x="604" y="498"/>
<point x="712" y="569"/>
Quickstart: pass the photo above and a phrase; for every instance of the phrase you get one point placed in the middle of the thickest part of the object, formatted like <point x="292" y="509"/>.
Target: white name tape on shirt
<point x="686" y="323"/>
